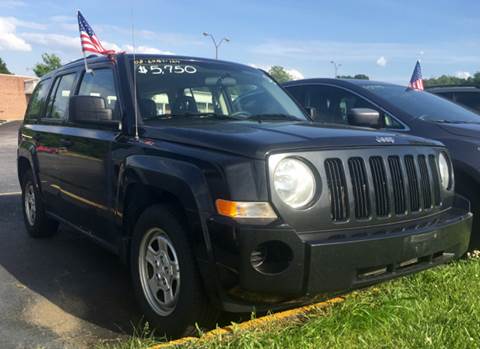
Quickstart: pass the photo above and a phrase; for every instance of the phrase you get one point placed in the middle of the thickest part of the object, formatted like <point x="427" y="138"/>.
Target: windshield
<point x="172" y="89"/>
<point x="423" y="105"/>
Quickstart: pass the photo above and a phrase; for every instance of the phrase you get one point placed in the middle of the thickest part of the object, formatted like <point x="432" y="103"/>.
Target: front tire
<point x="37" y="223"/>
<point x="165" y="278"/>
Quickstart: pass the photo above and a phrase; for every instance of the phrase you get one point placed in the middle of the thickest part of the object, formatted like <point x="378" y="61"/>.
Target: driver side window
<point x="332" y="105"/>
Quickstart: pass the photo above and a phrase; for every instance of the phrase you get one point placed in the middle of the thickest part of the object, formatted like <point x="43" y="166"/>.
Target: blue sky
<point x="380" y="38"/>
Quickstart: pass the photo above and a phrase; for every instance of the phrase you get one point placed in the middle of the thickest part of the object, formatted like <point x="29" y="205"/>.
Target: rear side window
<point x="101" y="83"/>
<point x="468" y="99"/>
<point x="60" y="96"/>
<point x="447" y="95"/>
<point x="38" y="100"/>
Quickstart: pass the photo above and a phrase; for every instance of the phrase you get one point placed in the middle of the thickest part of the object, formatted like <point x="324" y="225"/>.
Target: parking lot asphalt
<point x="60" y="292"/>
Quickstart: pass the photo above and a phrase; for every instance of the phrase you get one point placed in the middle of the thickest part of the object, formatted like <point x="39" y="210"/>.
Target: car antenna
<point x="135" y="104"/>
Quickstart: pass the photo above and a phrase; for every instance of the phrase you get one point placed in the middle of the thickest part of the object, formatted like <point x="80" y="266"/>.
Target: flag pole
<point x="87" y="69"/>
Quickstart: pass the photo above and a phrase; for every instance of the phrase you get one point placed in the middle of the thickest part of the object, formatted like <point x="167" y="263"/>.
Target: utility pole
<point x="336" y="66"/>
<point x="215" y="43"/>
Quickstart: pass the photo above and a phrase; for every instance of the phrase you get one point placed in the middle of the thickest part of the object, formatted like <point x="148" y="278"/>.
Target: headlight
<point x="444" y="167"/>
<point x="294" y="182"/>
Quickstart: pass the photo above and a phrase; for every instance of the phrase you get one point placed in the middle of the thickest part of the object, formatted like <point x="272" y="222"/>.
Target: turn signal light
<point x="245" y="210"/>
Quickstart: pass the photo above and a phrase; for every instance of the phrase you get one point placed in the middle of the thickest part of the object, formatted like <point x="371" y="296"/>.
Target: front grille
<point x="338" y="189"/>
<point x="383" y="186"/>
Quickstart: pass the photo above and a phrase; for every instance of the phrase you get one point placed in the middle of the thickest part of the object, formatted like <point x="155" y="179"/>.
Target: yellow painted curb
<point x="248" y="325"/>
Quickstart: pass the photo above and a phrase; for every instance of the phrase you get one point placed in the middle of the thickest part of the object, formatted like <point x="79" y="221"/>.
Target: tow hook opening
<point x="271" y="257"/>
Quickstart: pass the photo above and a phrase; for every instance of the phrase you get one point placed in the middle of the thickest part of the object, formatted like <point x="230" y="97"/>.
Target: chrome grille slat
<point x="435" y="178"/>
<point x="425" y="182"/>
<point x="360" y="187"/>
<point x="338" y="189"/>
<point x="412" y="183"/>
<point x="398" y="184"/>
<point x="380" y="185"/>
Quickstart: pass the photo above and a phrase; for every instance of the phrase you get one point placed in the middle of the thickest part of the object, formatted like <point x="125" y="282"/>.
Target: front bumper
<point x="328" y="262"/>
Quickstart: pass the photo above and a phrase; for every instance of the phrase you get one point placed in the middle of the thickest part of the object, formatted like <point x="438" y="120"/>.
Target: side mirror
<point x="91" y="110"/>
<point x="364" y="117"/>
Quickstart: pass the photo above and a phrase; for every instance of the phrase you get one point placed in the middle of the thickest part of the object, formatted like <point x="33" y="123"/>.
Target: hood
<point x="465" y="130"/>
<point x="256" y="139"/>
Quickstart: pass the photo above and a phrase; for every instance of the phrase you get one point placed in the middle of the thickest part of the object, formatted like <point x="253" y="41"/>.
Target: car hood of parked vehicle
<point x="256" y="139"/>
<point x="466" y="129"/>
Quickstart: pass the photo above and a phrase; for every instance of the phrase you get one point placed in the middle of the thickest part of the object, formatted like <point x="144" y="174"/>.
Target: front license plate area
<point x="422" y="244"/>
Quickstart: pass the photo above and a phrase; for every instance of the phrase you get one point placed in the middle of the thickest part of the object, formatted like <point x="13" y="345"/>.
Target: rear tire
<point x="166" y="281"/>
<point x="37" y="223"/>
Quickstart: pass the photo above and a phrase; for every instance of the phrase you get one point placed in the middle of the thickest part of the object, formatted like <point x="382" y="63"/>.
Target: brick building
<point x="15" y="90"/>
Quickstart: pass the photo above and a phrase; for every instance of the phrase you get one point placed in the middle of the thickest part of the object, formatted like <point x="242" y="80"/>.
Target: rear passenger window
<point x="37" y="100"/>
<point x="469" y="99"/>
<point x="101" y="83"/>
<point x="60" y="96"/>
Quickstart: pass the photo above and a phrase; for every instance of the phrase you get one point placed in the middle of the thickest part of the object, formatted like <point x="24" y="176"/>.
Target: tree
<point x="357" y="76"/>
<point x="446" y="80"/>
<point x="3" y="67"/>
<point x="361" y="77"/>
<point x="280" y="74"/>
<point x="50" y="62"/>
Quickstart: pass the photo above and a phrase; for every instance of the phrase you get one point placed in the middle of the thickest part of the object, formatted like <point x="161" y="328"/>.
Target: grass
<point x="438" y="308"/>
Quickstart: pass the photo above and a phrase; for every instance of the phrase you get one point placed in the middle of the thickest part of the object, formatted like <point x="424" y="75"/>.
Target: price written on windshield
<point x="158" y="69"/>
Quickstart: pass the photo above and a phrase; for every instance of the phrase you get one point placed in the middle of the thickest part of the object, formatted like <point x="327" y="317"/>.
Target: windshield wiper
<point x="263" y="117"/>
<point x="199" y="115"/>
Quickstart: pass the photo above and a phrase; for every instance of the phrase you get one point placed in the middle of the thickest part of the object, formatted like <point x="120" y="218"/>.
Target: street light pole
<point x="336" y="66"/>
<point x="215" y="43"/>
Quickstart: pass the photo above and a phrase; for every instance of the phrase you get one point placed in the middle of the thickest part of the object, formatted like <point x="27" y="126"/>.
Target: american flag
<point x="416" y="82"/>
<point x="90" y="42"/>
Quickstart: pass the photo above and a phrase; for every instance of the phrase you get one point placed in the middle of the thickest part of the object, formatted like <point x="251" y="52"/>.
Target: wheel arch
<point x="466" y="179"/>
<point x="148" y="180"/>
<point x="23" y="165"/>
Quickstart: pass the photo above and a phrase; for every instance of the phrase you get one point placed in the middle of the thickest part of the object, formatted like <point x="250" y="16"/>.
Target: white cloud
<point x="463" y="74"/>
<point x="53" y="41"/>
<point x="12" y="3"/>
<point x="146" y="49"/>
<point x="260" y="66"/>
<point x="359" y="52"/>
<point x="60" y="42"/>
<point x="295" y="74"/>
<point x="9" y="39"/>
<point x="382" y="61"/>
<point x="65" y="22"/>
<point x="62" y="19"/>
<point x="25" y="24"/>
<point x="111" y="46"/>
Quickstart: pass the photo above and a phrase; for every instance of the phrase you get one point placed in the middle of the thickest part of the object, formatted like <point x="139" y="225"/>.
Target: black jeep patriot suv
<point x="224" y="195"/>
